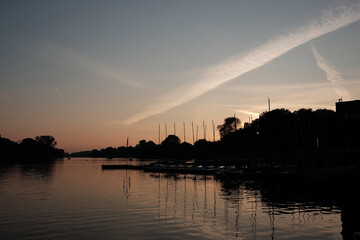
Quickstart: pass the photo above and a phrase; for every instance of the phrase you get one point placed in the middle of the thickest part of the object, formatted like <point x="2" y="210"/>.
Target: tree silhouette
<point x="231" y="124"/>
<point x="46" y="140"/>
<point x="29" y="150"/>
<point x="170" y="140"/>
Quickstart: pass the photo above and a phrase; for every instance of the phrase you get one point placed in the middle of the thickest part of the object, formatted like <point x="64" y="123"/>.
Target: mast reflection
<point x="126" y="186"/>
<point x="242" y="204"/>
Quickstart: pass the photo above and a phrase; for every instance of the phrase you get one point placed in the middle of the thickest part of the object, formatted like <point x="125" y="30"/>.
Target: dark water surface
<point x="75" y="199"/>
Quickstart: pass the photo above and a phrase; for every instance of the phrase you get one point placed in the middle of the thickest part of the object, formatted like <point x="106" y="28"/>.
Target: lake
<point x="75" y="199"/>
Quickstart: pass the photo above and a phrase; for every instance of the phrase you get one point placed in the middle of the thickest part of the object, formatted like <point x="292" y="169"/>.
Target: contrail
<point x="332" y="74"/>
<point x="329" y="20"/>
<point x="58" y="91"/>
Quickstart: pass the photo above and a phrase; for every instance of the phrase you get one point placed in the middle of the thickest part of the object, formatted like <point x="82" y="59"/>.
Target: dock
<point x="121" y="166"/>
<point x="219" y="171"/>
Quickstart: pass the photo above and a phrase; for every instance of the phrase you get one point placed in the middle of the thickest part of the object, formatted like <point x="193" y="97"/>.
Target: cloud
<point x="271" y="87"/>
<point x="337" y="16"/>
<point x="248" y="113"/>
<point x="63" y="55"/>
<point x="334" y="77"/>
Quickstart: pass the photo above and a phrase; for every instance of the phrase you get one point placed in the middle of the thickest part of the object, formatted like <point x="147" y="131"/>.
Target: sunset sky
<point x="91" y="73"/>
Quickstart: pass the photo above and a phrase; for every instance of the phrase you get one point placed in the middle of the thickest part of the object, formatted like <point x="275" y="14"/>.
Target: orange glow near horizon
<point x="93" y="82"/>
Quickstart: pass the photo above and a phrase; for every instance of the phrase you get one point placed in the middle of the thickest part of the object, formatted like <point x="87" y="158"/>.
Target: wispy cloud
<point x="67" y="56"/>
<point x="254" y="114"/>
<point x="337" y="16"/>
<point x="289" y="95"/>
<point x="271" y="87"/>
<point x="334" y="77"/>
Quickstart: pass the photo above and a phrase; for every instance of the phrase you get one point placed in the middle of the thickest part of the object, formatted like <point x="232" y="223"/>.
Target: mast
<point x="213" y="126"/>
<point x="197" y="132"/>
<point x="192" y="127"/>
<point x="127" y="141"/>
<point x="235" y="121"/>
<point x="204" y="130"/>
<point x="166" y="131"/>
<point x="159" y="134"/>
<point x="268" y="103"/>
<point x="184" y="132"/>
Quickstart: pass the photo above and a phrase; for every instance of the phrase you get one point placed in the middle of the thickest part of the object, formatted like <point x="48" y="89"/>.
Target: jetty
<point x="121" y="166"/>
<point x="165" y="168"/>
<point x="217" y="171"/>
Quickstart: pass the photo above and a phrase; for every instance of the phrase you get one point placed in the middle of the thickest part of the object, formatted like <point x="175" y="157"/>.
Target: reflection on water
<point x="75" y="199"/>
<point x="126" y="186"/>
<point x="39" y="172"/>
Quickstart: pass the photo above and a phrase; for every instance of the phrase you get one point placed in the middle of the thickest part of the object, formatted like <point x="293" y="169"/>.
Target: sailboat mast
<point x="184" y="132"/>
<point x="159" y="134"/>
<point x="192" y="127"/>
<point x="197" y="132"/>
<point x="204" y="129"/>
<point x="213" y="126"/>
<point x="235" y="122"/>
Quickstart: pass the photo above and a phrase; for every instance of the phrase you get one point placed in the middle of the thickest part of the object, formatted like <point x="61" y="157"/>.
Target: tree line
<point x="305" y="136"/>
<point x="38" y="150"/>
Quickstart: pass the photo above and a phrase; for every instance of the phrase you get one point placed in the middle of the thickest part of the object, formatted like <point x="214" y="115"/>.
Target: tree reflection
<point x="41" y="172"/>
<point x="250" y="209"/>
<point x="305" y="197"/>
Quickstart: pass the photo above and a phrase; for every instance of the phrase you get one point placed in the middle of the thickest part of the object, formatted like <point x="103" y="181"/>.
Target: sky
<point x="92" y="73"/>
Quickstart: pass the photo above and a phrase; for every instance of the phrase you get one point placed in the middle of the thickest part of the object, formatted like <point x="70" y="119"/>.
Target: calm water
<point x="75" y="199"/>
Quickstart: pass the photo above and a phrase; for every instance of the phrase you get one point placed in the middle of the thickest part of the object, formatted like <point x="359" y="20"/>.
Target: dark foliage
<point x="231" y="124"/>
<point x="42" y="149"/>
<point x="46" y="140"/>
<point x="279" y="137"/>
